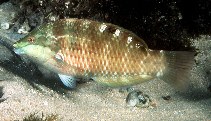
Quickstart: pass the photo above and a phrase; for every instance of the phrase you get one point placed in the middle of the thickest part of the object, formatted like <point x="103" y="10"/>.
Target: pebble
<point x="166" y="97"/>
<point x="5" y="26"/>
<point x="136" y="98"/>
<point x="22" y="31"/>
<point x="24" y="28"/>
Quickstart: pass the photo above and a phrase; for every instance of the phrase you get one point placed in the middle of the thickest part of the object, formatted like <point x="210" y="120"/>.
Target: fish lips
<point x="19" y="51"/>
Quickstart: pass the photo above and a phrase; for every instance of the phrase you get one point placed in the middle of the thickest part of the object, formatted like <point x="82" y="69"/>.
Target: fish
<point x="107" y="53"/>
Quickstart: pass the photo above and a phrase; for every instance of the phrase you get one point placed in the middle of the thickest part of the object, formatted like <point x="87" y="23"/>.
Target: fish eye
<point x="59" y="57"/>
<point x="31" y="39"/>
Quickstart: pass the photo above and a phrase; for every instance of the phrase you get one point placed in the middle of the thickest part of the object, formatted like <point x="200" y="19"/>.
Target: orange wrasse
<point x="107" y="53"/>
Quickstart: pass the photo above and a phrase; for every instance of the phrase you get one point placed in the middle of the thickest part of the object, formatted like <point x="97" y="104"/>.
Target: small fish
<point x="109" y="54"/>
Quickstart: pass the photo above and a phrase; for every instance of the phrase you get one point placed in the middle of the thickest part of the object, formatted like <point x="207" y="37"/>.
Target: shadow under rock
<point x="196" y="94"/>
<point x="1" y="95"/>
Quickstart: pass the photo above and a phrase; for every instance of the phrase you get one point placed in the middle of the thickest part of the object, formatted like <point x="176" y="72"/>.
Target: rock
<point x="5" y="26"/>
<point x="138" y="99"/>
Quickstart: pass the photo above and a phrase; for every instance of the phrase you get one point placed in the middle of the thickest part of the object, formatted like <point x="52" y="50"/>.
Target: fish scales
<point x="109" y="54"/>
<point x="116" y="56"/>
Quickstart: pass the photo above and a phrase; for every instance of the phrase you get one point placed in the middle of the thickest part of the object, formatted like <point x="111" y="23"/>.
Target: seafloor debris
<point x="126" y="89"/>
<point x="35" y="117"/>
<point x="5" y="25"/>
<point x="24" y="29"/>
<point x="37" y="12"/>
<point x="138" y="99"/>
<point x="166" y="97"/>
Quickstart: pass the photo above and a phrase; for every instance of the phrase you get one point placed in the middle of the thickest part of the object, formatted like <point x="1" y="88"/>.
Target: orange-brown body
<point x="105" y="52"/>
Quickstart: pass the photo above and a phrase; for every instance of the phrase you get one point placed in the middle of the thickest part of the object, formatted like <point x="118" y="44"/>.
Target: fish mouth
<point x="18" y="48"/>
<point x="14" y="45"/>
<point x="20" y="44"/>
<point x="19" y="51"/>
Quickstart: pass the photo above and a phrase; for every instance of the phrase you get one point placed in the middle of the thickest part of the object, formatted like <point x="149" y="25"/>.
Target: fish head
<point x="40" y="47"/>
<point x="42" y="36"/>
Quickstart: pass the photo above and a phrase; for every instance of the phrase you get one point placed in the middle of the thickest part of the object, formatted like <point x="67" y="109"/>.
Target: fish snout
<point x="19" y="51"/>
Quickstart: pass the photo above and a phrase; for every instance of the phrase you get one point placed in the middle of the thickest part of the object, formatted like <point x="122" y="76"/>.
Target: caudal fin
<point x="178" y="66"/>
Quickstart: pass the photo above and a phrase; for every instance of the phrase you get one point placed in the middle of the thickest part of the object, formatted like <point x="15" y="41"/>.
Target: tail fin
<point x="178" y="66"/>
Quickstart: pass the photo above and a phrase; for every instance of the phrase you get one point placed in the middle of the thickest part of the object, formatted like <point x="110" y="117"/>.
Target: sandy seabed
<point x="91" y="101"/>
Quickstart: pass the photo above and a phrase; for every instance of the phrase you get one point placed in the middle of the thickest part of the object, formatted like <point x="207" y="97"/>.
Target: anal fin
<point x="68" y="81"/>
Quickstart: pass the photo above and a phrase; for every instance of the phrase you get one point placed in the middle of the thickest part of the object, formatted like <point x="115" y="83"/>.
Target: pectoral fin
<point x="122" y="81"/>
<point x="68" y="81"/>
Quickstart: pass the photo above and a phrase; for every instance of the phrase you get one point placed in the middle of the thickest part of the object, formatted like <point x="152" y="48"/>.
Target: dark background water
<point x="163" y="24"/>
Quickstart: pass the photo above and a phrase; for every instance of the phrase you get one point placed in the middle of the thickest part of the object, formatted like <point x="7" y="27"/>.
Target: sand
<point x="91" y="101"/>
